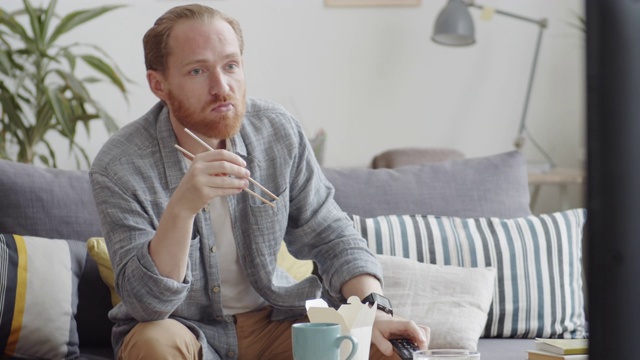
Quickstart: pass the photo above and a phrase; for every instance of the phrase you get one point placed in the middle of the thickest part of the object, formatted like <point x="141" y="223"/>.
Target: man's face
<point x="204" y="80"/>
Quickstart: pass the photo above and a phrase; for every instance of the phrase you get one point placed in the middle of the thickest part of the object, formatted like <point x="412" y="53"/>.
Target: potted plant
<point x="40" y="89"/>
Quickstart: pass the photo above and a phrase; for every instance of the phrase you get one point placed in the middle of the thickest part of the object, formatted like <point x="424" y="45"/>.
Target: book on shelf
<point x="544" y="355"/>
<point x="563" y="346"/>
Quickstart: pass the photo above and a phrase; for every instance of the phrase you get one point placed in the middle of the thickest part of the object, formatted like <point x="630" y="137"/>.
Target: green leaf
<point x="77" y="18"/>
<point x="52" y="154"/>
<point x="17" y="29"/>
<point x="109" y="123"/>
<point x="61" y="110"/>
<point x="84" y="155"/>
<point x="91" y="80"/>
<point x="6" y="65"/>
<point x="71" y="58"/>
<point x="67" y="53"/>
<point x="44" y="122"/>
<point x="36" y="25"/>
<point x="75" y="85"/>
<point x="104" y="68"/>
<point x="11" y="108"/>
<point x="48" y="15"/>
<point x="44" y="160"/>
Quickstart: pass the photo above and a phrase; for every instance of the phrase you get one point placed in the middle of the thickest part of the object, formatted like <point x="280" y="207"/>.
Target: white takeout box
<point x="355" y="319"/>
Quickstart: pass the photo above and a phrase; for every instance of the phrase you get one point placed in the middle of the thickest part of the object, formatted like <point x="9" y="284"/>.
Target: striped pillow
<point x="38" y="297"/>
<point x="538" y="289"/>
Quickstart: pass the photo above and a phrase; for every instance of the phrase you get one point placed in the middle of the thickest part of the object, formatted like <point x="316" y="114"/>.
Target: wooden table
<point x="559" y="176"/>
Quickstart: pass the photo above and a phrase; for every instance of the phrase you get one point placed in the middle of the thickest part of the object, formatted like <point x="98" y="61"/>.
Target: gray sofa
<point x="57" y="204"/>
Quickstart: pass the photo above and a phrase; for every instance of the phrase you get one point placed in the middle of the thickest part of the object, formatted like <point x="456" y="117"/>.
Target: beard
<point x="201" y="121"/>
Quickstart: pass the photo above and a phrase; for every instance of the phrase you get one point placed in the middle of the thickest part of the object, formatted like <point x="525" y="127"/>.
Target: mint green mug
<point x="320" y="341"/>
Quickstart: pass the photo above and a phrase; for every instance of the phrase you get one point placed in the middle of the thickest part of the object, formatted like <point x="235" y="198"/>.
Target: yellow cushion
<point x="98" y="251"/>
<point x="298" y="269"/>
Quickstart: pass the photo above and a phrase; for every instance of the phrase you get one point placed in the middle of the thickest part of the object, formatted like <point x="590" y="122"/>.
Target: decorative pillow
<point x="538" y="289"/>
<point x="98" y="251"/>
<point x="495" y="186"/>
<point x="298" y="269"/>
<point x="39" y="296"/>
<point x="453" y="301"/>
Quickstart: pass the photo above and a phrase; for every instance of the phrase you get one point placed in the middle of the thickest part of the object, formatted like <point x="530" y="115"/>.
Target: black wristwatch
<point x="383" y="303"/>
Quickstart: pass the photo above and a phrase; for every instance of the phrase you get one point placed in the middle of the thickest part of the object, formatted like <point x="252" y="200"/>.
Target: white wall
<point x="373" y="79"/>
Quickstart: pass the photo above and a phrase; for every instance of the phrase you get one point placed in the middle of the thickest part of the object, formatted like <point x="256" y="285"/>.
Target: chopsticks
<point x="191" y="156"/>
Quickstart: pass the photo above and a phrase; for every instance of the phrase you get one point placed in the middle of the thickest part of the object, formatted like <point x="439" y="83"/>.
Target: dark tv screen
<point x="613" y="182"/>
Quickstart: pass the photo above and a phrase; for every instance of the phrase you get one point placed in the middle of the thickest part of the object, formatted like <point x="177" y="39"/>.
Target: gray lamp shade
<point x="454" y="25"/>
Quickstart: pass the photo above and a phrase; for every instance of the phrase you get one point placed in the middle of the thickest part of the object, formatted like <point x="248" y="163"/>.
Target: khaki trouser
<point x="258" y="338"/>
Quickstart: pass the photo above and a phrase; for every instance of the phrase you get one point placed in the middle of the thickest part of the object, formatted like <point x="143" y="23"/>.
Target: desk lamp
<point x="454" y="27"/>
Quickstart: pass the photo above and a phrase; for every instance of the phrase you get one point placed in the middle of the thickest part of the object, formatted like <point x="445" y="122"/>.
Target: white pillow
<point x="453" y="301"/>
<point x="39" y="297"/>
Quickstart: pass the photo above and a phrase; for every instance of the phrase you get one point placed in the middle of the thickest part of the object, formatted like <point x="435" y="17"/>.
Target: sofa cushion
<point x="47" y="202"/>
<point x="54" y="203"/>
<point x="98" y="251"/>
<point x="39" y="296"/>
<point x="495" y="185"/>
<point x="453" y="301"/>
<point x="538" y="289"/>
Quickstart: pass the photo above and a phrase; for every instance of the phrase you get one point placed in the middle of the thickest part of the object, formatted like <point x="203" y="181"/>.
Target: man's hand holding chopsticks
<point x="211" y="174"/>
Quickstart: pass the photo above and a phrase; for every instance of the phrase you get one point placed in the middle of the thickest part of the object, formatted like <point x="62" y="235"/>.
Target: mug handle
<point x="354" y="345"/>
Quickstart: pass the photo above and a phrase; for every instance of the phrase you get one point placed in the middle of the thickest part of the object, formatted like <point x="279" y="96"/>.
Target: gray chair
<point x="414" y="156"/>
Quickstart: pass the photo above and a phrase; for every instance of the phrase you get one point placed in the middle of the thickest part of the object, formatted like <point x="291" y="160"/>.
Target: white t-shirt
<point x="237" y="293"/>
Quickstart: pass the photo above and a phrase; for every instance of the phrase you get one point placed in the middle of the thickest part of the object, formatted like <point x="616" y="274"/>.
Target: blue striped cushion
<point x="538" y="289"/>
<point x="39" y="297"/>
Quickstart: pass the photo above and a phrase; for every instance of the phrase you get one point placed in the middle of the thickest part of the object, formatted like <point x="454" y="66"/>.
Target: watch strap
<point x="376" y="298"/>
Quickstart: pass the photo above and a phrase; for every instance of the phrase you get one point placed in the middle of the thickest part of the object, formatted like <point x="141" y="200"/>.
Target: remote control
<point x="404" y="348"/>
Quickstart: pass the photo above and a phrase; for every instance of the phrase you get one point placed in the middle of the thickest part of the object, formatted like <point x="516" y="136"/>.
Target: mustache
<point x="218" y="99"/>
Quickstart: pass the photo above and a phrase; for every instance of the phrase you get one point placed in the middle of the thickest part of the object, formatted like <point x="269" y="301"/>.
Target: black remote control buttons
<point x="404" y="348"/>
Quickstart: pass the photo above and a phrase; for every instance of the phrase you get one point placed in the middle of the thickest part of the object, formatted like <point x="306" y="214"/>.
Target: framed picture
<point x="350" y="3"/>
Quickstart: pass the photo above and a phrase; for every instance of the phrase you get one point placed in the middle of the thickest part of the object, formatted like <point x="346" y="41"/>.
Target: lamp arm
<point x="542" y="24"/>
<point x="530" y="86"/>
<point x="519" y="142"/>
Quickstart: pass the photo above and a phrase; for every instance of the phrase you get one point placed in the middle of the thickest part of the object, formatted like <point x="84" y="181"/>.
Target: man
<point x="194" y="254"/>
